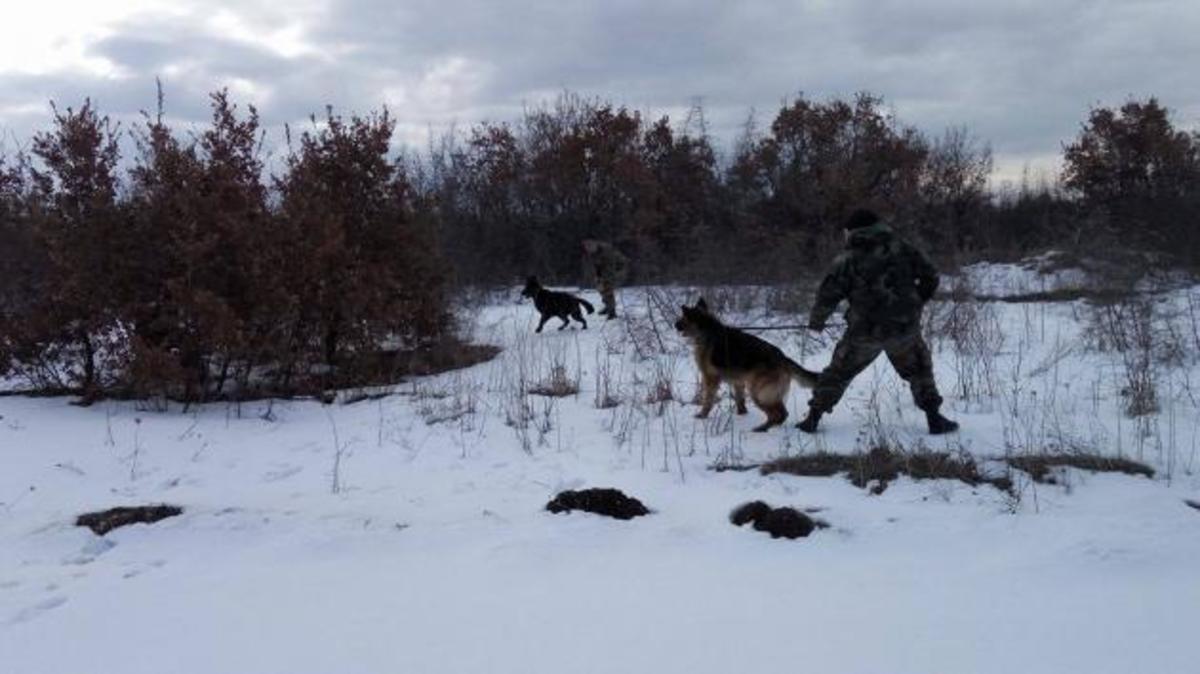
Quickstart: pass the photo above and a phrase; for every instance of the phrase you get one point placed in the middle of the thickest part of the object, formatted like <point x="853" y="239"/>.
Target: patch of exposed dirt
<point x="607" y="502"/>
<point x="782" y="522"/>
<point x="104" y="521"/>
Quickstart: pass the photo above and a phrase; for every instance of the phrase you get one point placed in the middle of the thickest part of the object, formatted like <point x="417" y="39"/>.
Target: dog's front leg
<point x="708" y="395"/>
<point x="542" y="323"/>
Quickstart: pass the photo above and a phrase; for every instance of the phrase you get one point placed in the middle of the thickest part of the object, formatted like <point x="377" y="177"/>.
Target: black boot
<point x="939" y="424"/>
<point x="809" y="423"/>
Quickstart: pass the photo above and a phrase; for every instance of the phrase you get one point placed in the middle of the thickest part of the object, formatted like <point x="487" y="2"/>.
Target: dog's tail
<point x="800" y="374"/>
<point x="586" y="305"/>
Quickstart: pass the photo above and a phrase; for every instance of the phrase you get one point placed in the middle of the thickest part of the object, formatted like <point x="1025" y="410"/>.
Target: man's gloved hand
<point x="926" y="291"/>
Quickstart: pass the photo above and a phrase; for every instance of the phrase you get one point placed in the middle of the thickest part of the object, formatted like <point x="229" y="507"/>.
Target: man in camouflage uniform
<point x="608" y="266"/>
<point x="887" y="282"/>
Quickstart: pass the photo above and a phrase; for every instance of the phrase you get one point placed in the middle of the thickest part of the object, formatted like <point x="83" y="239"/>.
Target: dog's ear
<point x="702" y="305"/>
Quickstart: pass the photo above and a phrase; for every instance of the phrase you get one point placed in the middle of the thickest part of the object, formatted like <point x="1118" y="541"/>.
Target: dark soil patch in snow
<point x="1039" y="466"/>
<point x="384" y="368"/>
<point x="609" y="502"/>
<point x="749" y="512"/>
<point x="877" y="468"/>
<point x="441" y="357"/>
<point x="104" y="521"/>
<point x="778" y="522"/>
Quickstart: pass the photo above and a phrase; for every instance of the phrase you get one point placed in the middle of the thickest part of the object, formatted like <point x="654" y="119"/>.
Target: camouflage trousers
<point x="608" y="297"/>
<point x="907" y="352"/>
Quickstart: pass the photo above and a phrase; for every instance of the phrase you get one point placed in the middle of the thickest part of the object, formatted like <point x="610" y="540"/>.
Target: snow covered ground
<point x="406" y="533"/>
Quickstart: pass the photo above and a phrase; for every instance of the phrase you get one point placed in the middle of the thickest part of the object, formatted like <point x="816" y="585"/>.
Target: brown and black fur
<point x="745" y="362"/>
<point x="551" y="303"/>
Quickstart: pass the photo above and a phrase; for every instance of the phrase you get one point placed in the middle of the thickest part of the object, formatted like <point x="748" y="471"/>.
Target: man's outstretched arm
<point x="834" y="288"/>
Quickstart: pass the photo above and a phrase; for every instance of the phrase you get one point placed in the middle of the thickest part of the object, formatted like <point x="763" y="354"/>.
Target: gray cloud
<point x="1019" y="74"/>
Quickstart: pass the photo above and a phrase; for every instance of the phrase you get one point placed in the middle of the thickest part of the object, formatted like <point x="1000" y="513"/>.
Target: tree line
<point x="517" y="196"/>
<point x="193" y="277"/>
<point x="187" y="271"/>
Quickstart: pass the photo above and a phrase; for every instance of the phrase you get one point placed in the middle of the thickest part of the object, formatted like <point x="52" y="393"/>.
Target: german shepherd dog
<point x="725" y="354"/>
<point x="554" y="303"/>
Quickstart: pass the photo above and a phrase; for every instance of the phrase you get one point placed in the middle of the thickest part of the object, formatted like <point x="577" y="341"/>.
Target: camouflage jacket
<point x="607" y="263"/>
<point x="885" y="279"/>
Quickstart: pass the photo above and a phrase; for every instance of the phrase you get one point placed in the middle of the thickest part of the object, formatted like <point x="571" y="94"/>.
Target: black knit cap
<point x="860" y="218"/>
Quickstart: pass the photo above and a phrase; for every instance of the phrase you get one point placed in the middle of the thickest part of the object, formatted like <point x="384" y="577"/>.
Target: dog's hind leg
<point x="776" y="414"/>
<point x="769" y="393"/>
<point x="577" y="315"/>
<point x="739" y="397"/>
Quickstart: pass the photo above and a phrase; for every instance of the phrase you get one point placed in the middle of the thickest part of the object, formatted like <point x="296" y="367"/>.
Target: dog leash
<point x="800" y="326"/>
<point x="770" y="327"/>
<point x="804" y="336"/>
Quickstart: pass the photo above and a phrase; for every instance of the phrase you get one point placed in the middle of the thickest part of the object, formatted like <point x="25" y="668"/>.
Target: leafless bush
<point x="1193" y="319"/>
<point x="624" y="422"/>
<point x="972" y="329"/>
<point x="448" y="403"/>
<point x="652" y="333"/>
<point x="509" y="384"/>
<point x="1034" y="419"/>
<point x="546" y="419"/>
<point x="558" y="384"/>
<point x="605" y="388"/>
<point x="340" y="450"/>
<point x="661" y="386"/>
<point x="720" y="426"/>
<point x="1127" y="328"/>
<point x="873" y="431"/>
<point x="518" y="415"/>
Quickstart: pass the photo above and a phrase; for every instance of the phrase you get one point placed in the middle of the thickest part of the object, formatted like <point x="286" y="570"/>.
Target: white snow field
<point x="407" y="533"/>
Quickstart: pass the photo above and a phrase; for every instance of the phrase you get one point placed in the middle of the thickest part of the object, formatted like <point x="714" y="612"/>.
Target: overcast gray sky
<point x="1020" y="74"/>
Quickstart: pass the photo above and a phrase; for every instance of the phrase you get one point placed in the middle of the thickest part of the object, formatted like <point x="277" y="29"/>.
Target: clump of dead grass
<point x="1040" y="466"/>
<point x="558" y="384"/>
<point x="876" y="469"/>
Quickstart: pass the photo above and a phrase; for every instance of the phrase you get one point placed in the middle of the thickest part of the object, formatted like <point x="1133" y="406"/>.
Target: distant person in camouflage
<point x="608" y="266"/>
<point x="887" y="282"/>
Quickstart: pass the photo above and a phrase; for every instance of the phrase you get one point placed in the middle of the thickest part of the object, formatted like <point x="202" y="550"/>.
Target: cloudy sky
<point x="1020" y="74"/>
